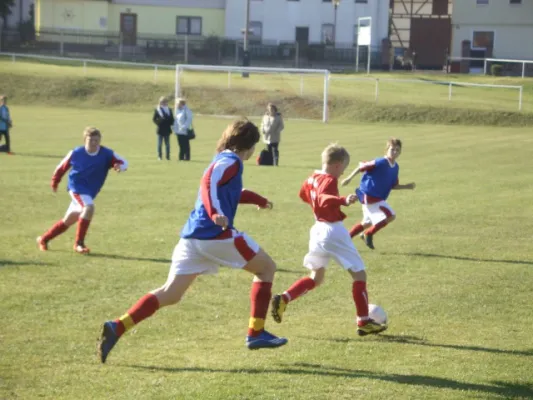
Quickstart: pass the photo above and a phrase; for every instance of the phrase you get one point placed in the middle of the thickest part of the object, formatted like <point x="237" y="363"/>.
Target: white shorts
<point x="78" y="202"/>
<point x="376" y="212"/>
<point x="194" y="256"/>
<point x="332" y="240"/>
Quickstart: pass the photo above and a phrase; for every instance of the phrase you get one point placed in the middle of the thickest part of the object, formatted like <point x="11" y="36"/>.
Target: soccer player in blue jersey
<point x="209" y="239"/>
<point x="89" y="165"/>
<point x="380" y="176"/>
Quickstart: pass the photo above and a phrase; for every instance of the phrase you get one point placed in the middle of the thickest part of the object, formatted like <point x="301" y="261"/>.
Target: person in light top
<point x="182" y="125"/>
<point x="209" y="239"/>
<point x="330" y="239"/>
<point x="380" y="176"/>
<point x="271" y="127"/>
<point x="88" y="165"/>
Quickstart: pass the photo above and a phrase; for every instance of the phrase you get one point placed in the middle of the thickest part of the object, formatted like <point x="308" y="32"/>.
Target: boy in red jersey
<point x="380" y="176"/>
<point x="330" y="239"/>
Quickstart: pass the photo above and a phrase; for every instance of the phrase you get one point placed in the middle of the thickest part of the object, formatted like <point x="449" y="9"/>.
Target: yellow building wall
<point x="102" y="16"/>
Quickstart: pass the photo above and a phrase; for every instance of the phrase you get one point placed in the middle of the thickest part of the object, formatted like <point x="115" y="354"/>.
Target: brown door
<point x="430" y="39"/>
<point x="128" y="29"/>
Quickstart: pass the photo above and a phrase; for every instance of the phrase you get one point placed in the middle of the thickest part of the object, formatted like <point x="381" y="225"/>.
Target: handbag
<point x="190" y="133"/>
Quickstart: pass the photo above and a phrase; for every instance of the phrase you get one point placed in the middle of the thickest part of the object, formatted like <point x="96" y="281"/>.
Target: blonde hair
<point x="335" y="153"/>
<point x="163" y="99"/>
<point x="181" y="100"/>
<point x="393" y="142"/>
<point x="3" y="97"/>
<point x="238" y="136"/>
<point x="91" y="131"/>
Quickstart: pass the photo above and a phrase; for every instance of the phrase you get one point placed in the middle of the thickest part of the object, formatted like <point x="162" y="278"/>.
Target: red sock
<point x="81" y="231"/>
<point x="145" y="307"/>
<point x="375" y="228"/>
<point x="299" y="288"/>
<point x="360" y="298"/>
<point x="356" y="229"/>
<point x="57" y="229"/>
<point x="259" y="301"/>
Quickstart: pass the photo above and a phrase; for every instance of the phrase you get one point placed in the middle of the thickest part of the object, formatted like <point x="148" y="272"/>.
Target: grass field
<point x="403" y="97"/>
<point x="454" y="272"/>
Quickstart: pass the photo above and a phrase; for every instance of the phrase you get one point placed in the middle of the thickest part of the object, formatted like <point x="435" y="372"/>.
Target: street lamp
<point x="335" y="6"/>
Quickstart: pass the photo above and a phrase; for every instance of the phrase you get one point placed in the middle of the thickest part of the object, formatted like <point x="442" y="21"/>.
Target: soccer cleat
<point x="108" y="340"/>
<point x="81" y="249"/>
<point x="43" y="245"/>
<point x="264" y="340"/>
<point x="368" y="240"/>
<point x="278" y="306"/>
<point x="370" y="327"/>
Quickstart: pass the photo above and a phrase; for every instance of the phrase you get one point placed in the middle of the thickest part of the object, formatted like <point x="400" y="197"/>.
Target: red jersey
<point x="321" y="192"/>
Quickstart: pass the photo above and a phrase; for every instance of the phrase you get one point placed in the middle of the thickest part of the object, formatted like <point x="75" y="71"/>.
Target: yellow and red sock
<point x="259" y="301"/>
<point x="360" y="298"/>
<point x="356" y="229"/>
<point x="298" y="288"/>
<point x="57" y="229"/>
<point x="375" y="228"/>
<point x="145" y="307"/>
<point x="81" y="230"/>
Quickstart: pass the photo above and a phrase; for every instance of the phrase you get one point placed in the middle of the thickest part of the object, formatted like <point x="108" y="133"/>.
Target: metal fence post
<point x="84" y="67"/>
<point x="523" y="70"/>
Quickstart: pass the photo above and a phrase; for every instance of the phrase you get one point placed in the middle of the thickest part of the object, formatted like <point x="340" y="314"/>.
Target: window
<point x="362" y="1"/>
<point x="189" y="25"/>
<point x="483" y="40"/>
<point x="515" y="1"/>
<point x="482" y="2"/>
<point x="327" y="33"/>
<point x="256" y="29"/>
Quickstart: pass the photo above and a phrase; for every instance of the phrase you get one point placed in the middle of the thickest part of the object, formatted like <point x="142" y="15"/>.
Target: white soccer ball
<point x="377" y="313"/>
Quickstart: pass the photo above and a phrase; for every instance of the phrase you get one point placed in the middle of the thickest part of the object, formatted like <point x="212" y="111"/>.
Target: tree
<point x="5" y="10"/>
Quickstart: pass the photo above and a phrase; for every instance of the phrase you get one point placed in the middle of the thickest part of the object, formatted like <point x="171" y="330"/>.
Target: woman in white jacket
<point x="182" y="124"/>
<point x="271" y="128"/>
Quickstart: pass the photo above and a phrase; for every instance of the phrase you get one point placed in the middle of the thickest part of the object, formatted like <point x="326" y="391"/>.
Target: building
<point x="307" y="21"/>
<point x="132" y="18"/>
<point x="493" y="28"/>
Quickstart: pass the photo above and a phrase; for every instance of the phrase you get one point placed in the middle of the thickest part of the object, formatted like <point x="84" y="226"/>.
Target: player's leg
<point x="343" y="250"/>
<point x="381" y="214"/>
<point x="186" y="265"/>
<point x="61" y="226"/>
<point x="87" y="212"/>
<point x="364" y="224"/>
<point x="263" y="268"/>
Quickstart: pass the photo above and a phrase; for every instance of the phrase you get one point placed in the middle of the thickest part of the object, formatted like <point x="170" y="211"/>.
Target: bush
<point x="496" y="70"/>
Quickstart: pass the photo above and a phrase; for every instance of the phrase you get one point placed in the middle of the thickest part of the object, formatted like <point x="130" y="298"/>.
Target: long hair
<point x="238" y="136"/>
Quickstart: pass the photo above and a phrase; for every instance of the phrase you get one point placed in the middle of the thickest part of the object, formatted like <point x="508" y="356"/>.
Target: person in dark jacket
<point x="5" y="125"/>
<point x="164" y="120"/>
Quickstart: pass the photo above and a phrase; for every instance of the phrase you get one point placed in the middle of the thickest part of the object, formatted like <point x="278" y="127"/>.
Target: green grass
<point x="353" y="99"/>
<point x="454" y="271"/>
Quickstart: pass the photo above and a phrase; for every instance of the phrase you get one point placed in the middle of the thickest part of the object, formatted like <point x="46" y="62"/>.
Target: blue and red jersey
<point x="88" y="172"/>
<point x="378" y="179"/>
<point x="221" y="191"/>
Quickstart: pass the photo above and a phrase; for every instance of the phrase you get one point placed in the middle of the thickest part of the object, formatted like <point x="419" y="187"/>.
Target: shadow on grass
<point x="462" y="258"/>
<point x="129" y="258"/>
<point x="506" y="389"/>
<point x="414" y="340"/>
<point x="59" y="157"/>
<point x="10" y="263"/>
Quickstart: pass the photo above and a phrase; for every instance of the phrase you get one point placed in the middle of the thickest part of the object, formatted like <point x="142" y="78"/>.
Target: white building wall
<point x="280" y="18"/>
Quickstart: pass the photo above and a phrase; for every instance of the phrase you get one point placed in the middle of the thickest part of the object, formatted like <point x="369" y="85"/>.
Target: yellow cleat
<point x="370" y="327"/>
<point x="278" y="308"/>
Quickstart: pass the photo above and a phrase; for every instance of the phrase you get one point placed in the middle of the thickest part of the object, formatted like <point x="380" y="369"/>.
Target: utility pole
<point x="246" y="52"/>
<point x="335" y="5"/>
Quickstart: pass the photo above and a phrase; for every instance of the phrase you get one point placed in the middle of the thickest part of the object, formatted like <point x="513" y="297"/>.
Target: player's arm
<point x="60" y="170"/>
<point x="250" y="197"/>
<point x="118" y="163"/>
<point x="327" y="195"/>
<point x="218" y="174"/>
<point x="407" y="186"/>
<point x="363" y="167"/>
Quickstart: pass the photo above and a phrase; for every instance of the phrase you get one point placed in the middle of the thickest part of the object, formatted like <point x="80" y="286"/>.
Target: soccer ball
<point x="377" y="313"/>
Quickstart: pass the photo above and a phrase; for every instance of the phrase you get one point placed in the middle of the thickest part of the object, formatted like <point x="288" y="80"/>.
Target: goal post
<point x="295" y="75"/>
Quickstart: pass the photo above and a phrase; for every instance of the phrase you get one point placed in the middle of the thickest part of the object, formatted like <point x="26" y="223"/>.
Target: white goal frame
<point x="231" y="69"/>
